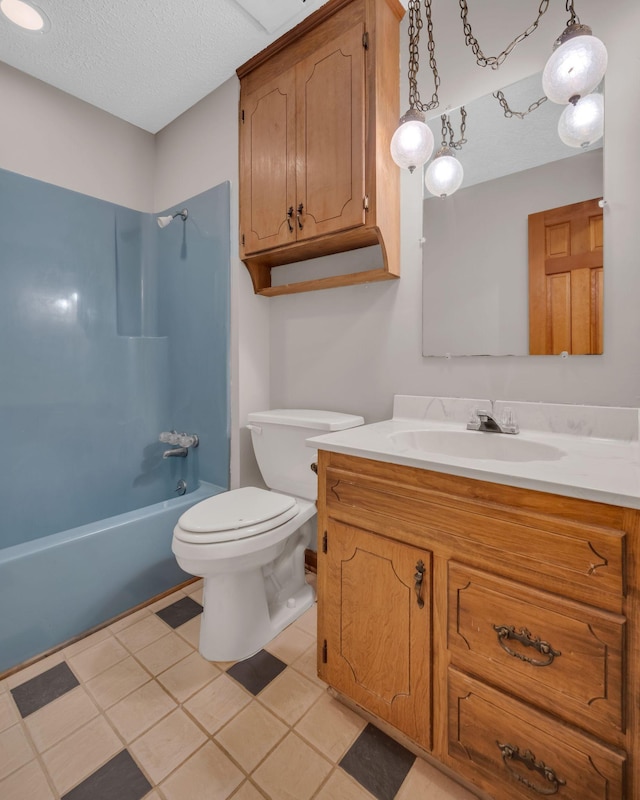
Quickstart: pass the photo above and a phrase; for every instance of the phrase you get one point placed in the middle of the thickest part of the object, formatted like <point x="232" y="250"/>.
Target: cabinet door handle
<point x="507" y="632"/>
<point x="418" y="579"/>
<point x="289" y="215"/>
<point x="511" y="754"/>
<point x="299" y="215"/>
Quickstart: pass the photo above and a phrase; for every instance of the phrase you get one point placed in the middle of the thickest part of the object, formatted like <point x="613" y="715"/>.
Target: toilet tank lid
<point x="307" y="418"/>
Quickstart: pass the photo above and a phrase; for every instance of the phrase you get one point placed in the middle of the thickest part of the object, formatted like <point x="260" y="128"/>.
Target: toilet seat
<point x="233" y="515"/>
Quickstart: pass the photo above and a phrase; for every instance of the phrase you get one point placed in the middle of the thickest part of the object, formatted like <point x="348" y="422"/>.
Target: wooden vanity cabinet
<point x="521" y="670"/>
<point x="317" y="112"/>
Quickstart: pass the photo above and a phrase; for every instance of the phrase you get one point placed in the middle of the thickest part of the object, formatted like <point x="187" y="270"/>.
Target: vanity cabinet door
<point x="377" y="620"/>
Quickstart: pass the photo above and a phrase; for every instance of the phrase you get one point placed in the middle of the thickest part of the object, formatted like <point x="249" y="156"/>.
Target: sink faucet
<point x="482" y="420"/>
<point x="177" y="452"/>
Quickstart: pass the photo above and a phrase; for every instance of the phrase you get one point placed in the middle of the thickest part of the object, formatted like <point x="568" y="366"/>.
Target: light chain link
<point x="508" y="112"/>
<point x="495" y="61"/>
<point x="415" y="26"/>
<point x="448" y="128"/>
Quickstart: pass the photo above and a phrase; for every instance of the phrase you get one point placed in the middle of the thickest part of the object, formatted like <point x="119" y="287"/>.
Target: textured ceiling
<point x="145" y="61"/>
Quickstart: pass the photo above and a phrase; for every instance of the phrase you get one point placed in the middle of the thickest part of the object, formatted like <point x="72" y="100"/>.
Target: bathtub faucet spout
<point x="177" y="452"/>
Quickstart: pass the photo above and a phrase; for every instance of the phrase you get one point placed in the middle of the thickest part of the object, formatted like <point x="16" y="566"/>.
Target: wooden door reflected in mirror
<point x="566" y="280"/>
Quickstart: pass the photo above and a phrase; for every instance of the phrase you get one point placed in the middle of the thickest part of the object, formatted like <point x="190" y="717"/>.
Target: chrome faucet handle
<point x="473" y="423"/>
<point x="508" y="423"/>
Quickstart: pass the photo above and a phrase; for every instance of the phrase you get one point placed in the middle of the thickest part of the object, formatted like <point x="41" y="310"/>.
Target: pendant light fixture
<point x="582" y="123"/>
<point x="444" y="174"/>
<point x="412" y="143"/>
<point x="577" y="64"/>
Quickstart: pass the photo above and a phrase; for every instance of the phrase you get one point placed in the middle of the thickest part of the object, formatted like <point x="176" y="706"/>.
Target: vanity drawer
<point x="517" y="753"/>
<point x="530" y="539"/>
<point x="556" y="654"/>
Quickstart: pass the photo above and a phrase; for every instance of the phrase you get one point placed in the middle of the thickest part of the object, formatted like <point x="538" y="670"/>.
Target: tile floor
<point x="133" y="711"/>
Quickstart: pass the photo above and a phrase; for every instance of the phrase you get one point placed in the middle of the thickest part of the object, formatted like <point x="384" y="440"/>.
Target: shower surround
<point x="111" y="331"/>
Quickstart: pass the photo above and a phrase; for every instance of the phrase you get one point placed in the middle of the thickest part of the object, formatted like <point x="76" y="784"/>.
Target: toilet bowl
<point x="249" y="544"/>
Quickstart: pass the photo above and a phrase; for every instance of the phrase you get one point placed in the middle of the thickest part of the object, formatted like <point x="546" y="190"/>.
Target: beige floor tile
<point x="208" y="775"/>
<point x="86" y="642"/>
<point x="60" y="718"/>
<point x="196" y="595"/>
<point x="38" y="668"/>
<point x="129" y="620"/>
<point x="97" y="659"/>
<point x="196" y="586"/>
<point x="15" y="750"/>
<point x="308" y="622"/>
<point x="424" y="780"/>
<point x="307" y="664"/>
<point x="331" y="727"/>
<point x="290" y="695"/>
<point x="77" y="756"/>
<point x="293" y="771"/>
<point x="290" y="644"/>
<point x="217" y="703"/>
<point x="8" y="711"/>
<point x="340" y="785"/>
<point x="164" y="653"/>
<point x="147" y="630"/>
<point x="28" y="783"/>
<point x="137" y="712"/>
<point x="247" y="792"/>
<point x="117" y="682"/>
<point x="188" y="676"/>
<point x="190" y="631"/>
<point x="251" y="735"/>
<point x="163" y="748"/>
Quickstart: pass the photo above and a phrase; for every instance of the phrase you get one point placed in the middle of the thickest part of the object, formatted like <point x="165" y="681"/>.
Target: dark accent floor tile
<point x="257" y="672"/>
<point x="378" y="763"/>
<point x="119" y="779"/>
<point x="44" y="688"/>
<point x="180" y="612"/>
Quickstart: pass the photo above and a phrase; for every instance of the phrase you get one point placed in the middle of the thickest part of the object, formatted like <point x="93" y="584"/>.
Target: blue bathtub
<point x="54" y="588"/>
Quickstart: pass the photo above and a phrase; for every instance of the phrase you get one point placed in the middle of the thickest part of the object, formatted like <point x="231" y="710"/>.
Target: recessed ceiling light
<point x="26" y="15"/>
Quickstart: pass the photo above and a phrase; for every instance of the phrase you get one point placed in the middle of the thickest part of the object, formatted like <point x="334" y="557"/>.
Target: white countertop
<point x="605" y="469"/>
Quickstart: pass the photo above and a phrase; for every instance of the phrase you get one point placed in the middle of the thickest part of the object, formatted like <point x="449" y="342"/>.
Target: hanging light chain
<point x="415" y="26"/>
<point x="574" y="19"/>
<point x="495" y="61"/>
<point x="508" y="112"/>
<point x="447" y="128"/>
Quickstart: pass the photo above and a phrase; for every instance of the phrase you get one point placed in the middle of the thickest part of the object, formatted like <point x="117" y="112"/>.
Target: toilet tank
<point x="284" y="459"/>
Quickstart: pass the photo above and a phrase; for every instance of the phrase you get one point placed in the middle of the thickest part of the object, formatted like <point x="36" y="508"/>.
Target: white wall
<point x="351" y="349"/>
<point x="48" y="135"/>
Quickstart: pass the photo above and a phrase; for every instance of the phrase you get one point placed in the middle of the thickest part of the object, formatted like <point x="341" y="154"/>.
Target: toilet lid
<point x="236" y="515"/>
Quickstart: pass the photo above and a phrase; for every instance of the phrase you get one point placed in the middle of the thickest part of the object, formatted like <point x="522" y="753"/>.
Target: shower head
<point x="164" y="221"/>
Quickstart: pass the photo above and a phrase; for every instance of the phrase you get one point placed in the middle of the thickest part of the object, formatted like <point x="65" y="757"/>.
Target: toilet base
<point x="242" y="621"/>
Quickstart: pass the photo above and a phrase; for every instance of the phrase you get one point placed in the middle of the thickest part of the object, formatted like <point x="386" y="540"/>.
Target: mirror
<point x="475" y="251"/>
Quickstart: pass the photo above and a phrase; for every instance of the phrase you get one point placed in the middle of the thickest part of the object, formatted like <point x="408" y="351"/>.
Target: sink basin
<point x="476" y="444"/>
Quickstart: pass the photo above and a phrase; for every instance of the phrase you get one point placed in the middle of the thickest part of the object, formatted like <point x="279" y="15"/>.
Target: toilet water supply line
<point x="181" y="442"/>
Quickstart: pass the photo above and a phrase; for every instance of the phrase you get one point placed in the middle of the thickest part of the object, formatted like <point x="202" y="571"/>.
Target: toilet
<point x="248" y="544"/>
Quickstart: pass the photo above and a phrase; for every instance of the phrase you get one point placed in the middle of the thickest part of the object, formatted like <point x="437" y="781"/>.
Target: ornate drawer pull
<point x="510" y="754"/>
<point x="299" y="215"/>
<point x="418" y="578"/>
<point x="507" y="632"/>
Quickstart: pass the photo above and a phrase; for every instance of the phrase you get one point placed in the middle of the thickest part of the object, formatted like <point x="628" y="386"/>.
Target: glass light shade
<point x="26" y="15"/>
<point x="582" y="124"/>
<point x="444" y="175"/>
<point x="574" y="69"/>
<point x="412" y="144"/>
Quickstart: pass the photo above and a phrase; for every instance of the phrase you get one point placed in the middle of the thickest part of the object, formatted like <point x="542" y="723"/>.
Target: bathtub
<point x="55" y="588"/>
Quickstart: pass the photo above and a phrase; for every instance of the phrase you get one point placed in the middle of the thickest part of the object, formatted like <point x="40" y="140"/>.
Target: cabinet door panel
<point x="378" y="631"/>
<point x="330" y="136"/>
<point x="267" y="173"/>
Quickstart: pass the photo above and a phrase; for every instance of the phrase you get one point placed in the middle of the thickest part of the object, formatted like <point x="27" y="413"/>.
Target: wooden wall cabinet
<point x="521" y="671"/>
<point x="318" y="109"/>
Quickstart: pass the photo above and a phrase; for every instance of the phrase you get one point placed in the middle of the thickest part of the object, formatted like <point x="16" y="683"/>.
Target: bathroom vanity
<point x="486" y="608"/>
